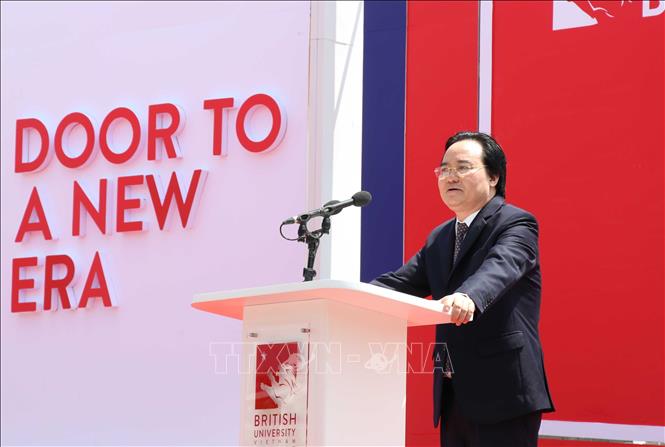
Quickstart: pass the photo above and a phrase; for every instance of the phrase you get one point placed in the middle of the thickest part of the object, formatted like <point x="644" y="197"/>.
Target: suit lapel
<point x="447" y="247"/>
<point x="477" y="227"/>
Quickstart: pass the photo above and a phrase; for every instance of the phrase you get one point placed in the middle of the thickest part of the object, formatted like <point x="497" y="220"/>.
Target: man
<point x="484" y="266"/>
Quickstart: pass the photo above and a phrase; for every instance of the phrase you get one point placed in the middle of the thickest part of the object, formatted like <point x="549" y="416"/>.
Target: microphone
<point x="360" y="198"/>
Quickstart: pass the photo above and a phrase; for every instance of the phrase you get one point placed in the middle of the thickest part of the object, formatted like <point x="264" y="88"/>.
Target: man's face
<point x="470" y="192"/>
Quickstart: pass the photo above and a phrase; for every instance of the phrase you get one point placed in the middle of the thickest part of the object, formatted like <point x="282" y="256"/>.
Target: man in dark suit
<point x="485" y="268"/>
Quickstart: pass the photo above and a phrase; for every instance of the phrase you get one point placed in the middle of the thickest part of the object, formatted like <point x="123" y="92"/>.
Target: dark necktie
<point x="462" y="229"/>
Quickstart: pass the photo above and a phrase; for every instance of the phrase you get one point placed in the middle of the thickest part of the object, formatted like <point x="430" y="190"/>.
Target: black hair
<point x="493" y="157"/>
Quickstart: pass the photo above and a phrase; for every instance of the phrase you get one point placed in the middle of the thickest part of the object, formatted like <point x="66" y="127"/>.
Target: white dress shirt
<point x="468" y="220"/>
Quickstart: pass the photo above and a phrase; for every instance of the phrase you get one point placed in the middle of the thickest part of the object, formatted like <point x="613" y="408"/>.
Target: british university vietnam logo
<point x="276" y="375"/>
<point x="568" y="14"/>
<point x="279" y="415"/>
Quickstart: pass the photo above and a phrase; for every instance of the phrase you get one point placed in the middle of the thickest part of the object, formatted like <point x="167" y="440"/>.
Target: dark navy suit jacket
<point x="497" y="357"/>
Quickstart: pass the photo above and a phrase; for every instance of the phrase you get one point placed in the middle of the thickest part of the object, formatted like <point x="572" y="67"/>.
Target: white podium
<point x="324" y="362"/>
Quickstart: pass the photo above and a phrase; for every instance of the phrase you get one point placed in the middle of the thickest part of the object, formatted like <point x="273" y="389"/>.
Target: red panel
<point x="441" y="98"/>
<point x="580" y="115"/>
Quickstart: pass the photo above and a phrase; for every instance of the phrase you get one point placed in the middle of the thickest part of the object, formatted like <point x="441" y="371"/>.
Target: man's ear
<point x="494" y="180"/>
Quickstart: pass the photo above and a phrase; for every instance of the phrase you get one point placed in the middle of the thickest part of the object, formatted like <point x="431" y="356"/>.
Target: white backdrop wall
<point x="144" y="371"/>
<point x="336" y="83"/>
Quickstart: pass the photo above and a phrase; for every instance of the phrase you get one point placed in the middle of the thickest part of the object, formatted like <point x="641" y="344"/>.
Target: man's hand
<point x="462" y="307"/>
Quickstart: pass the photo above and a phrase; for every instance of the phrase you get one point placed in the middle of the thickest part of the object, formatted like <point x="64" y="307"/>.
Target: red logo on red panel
<point x="581" y="13"/>
<point x="277" y="367"/>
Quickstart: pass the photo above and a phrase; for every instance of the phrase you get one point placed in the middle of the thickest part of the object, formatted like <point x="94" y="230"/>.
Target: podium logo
<point x="277" y="368"/>
<point x="567" y="14"/>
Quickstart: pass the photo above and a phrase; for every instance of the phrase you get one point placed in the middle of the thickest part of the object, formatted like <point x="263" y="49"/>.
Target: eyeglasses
<point x="447" y="171"/>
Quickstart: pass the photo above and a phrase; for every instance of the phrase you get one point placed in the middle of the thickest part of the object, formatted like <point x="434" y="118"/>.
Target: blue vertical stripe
<point x="383" y="137"/>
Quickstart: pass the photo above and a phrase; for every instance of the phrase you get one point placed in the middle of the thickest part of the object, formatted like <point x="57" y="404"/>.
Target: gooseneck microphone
<point x="311" y="238"/>
<point x="360" y="198"/>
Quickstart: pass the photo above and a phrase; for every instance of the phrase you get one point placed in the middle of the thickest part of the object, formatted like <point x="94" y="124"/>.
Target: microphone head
<point x="361" y="198"/>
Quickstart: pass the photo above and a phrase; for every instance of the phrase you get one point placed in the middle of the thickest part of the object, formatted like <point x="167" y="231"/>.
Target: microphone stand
<point x="311" y="238"/>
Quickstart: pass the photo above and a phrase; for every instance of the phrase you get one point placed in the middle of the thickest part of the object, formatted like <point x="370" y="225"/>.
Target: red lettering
<point x="276" y="133"/>
<point x="173" y="192"/>
<point x="41" y="224"/>
<point x="124" y="204"/>
<point x="68" y="123"/>
<point x="98" y="215"/>
<point x="22" y="161"/>
<point x="127" y="154"/>
<point x="166" y="134"/>
<point x="62" y="284"/>
<point x="96" y="285"/>
<point x="220" y="108"/>
<point x="19" y="284"/>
